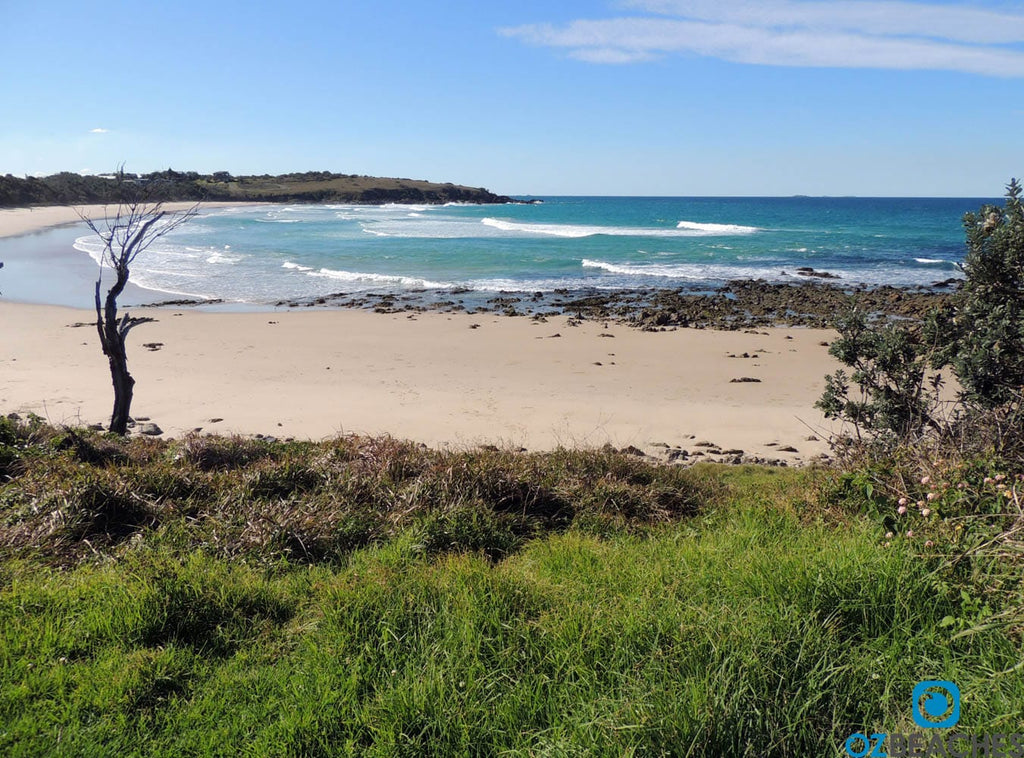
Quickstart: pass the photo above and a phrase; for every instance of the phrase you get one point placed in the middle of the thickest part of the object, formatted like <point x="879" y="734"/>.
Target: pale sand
<point x="15" y="221"/>
<point x="430" y="378"/>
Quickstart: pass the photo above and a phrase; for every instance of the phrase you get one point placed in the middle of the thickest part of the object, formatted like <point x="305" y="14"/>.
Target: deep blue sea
<point x="262" y="254"/>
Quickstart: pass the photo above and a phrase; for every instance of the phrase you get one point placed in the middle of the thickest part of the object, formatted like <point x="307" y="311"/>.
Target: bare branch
<point x="134" y="226"/>
<point x="130" y="322"/>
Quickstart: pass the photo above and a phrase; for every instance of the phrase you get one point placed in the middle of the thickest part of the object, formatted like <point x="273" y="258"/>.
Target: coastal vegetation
<point x="372" y="596"/>
<point x="68" y="188"/>
<point x="977" y="335"/>
<point x="375" y="597"/>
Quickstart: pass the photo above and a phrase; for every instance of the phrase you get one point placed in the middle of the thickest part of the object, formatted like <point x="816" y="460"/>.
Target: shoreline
<point x="581" y="371"/>
<point x="447" y="380"/>
<point x="736" y="304"/>
<point x="15" y="222"/>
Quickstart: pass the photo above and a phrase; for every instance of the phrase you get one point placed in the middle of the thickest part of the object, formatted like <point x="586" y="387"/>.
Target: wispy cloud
<point x="840" y="34"/>
<point x="98" y="131"/>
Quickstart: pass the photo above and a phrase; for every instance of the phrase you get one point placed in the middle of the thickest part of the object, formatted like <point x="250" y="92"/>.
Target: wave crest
<point x="378" y="280"/>
<point x="714" y="229"/>
<point x="682" y="229"/>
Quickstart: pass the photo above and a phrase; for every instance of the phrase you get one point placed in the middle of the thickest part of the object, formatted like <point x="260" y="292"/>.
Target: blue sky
<point x="604" y="97"/>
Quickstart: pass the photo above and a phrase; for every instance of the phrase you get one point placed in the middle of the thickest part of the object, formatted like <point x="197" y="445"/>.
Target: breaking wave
<point x="683" y="229"/>
<point x="378" y="280"/>
<point x="714" y="229"/>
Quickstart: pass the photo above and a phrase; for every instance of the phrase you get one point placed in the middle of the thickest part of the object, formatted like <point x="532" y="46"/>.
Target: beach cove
<point x="444" y="379"/>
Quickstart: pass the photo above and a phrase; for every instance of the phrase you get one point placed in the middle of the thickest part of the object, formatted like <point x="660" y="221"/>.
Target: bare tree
<point x="135" y="225"/>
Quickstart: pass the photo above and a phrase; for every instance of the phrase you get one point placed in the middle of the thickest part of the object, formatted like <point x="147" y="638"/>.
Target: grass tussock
<point x="357" y="596"/>
<point x="73" y="494"/>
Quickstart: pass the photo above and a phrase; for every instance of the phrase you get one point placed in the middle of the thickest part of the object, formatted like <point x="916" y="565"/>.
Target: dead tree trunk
<point x="112" y="336"/>
<point x="135" y="226"/>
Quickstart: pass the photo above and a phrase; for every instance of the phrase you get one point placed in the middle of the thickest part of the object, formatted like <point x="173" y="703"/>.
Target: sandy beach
<point x="15" y="221"/>
<point x="442" y="379"/>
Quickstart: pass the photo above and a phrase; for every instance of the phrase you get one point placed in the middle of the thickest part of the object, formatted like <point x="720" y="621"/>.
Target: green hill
<point x="311" y="187"/>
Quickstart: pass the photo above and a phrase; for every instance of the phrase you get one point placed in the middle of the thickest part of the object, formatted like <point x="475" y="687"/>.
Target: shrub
<point x="979" y="335"/>
<point x="889" y="366"/>
<point x="982" y="334"/>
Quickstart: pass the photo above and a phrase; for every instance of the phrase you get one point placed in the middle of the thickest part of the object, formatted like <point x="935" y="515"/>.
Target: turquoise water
<point x="261" y="254"/>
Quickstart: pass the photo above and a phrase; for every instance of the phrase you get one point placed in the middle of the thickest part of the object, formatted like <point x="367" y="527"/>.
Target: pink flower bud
<point x="926" y="512"/>
<point x="925" y="479"/>
<point x="901" y="510"/>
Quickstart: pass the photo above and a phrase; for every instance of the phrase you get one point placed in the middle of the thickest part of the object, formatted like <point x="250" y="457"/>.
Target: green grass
<point x="566" y="604"/>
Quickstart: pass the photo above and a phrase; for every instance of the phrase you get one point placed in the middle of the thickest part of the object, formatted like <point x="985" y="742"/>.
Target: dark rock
<point x="808" y="271"/>
<point x="744" y="380"/>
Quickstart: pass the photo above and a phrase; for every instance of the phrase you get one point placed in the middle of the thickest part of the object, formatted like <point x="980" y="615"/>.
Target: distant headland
<point x="68" y="188"/>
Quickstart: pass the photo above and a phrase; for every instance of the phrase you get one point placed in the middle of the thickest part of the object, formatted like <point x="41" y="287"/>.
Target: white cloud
<point x="949" y="22"/>
<point x="98" y="131"/>
<point x="842" y="34"/>
<point x="611" y="55"/>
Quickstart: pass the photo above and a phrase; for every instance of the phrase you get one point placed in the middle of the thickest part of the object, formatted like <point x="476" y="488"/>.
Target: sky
<point x="578" y="97"/>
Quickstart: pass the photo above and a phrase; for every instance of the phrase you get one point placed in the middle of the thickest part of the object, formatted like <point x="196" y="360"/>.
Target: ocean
<point x="263" y="254"/>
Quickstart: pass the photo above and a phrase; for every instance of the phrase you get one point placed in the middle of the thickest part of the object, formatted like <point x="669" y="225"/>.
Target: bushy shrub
<point x="979" y="335"/>
<point x="890" y="368"/>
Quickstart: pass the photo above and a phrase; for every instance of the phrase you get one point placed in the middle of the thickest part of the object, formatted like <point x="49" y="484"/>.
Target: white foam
<point x="498" y="284"/>
<point x="554" y="230"/>
<point x="378" y="280"/>
<point x="399" y="207"/>
<point x="92" y="247"/>
<point x="647" y="269"/>
<point x="683" y="229"/>
<point x="933" y="261"/>
<point x="296" y="266"/>
<point x="218" y="257"/>
<point x="695" y="226"/>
